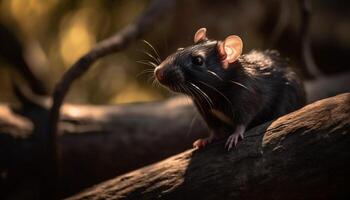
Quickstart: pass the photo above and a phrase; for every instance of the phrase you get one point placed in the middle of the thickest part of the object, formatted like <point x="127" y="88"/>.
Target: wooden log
<point x="302" y="155"/>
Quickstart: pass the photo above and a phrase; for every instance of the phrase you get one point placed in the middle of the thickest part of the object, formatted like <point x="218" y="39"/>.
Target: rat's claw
<point x="232" y="140"/>
<point x="241" y="135"/>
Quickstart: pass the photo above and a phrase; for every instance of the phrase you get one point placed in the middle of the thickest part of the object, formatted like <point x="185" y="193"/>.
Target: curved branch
<point x="113" y="44"/>
<point x="302" y="155"/>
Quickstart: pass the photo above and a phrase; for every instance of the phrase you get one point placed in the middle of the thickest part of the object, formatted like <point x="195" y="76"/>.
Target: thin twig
<point x="116" y="43"/>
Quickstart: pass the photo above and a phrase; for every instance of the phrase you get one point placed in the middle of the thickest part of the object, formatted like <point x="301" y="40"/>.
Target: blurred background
<point x="52" y="34"/>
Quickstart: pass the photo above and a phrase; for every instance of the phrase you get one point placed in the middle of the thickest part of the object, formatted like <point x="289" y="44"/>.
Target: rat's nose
<point x="159" y="73"/>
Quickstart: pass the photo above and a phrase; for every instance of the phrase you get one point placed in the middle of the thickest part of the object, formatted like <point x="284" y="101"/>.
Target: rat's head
<point x="207" y="62"/>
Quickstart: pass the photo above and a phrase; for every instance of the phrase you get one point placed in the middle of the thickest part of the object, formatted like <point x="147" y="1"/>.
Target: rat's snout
<point x="169" y="75"/>
<point x="159" y="73"/>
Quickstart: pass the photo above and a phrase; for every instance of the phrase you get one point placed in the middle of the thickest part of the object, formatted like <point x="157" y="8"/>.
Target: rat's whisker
<point x="240" y="84"/>
<point x="146" y="62"/>
<point x="216" y="90"/>
<point x="151" y="56"/>
<point x="154" y="50"/>
<point x="206" y="97"/>
<point x="145" y="72"/>
<point x="148" y="70"/>
<point x="193" y="94"/>
<point x="234" y="82"/>
<point x="157" y="60"/>
<point x="194" y="118"/>
<point x="192" y="124"/>
<point x="155" y="83"/>
<point x="150" y="78"/>
<point x="185" y="90"/>
<point x="215" y="74"/>
<point x="201" y="93"/>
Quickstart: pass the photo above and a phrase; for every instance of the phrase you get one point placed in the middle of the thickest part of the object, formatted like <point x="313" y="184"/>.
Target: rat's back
<point x="280" y="89"/>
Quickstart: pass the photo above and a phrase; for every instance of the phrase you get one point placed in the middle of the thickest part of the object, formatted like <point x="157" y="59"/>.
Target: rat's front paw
<point x="200" y="143"/>
<point x="232" y="140"/>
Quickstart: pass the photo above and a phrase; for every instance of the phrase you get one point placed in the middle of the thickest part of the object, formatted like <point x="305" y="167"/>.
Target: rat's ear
<point x="201" y="35"/>
<point x="230" y="49"/>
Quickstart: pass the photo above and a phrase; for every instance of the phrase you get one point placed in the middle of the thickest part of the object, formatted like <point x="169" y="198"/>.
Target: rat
<point x="231" y="91"/>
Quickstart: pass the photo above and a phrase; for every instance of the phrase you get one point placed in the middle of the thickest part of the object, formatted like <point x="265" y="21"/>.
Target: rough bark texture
<point x="96" y="141"/>
<point x="302" y="155"/>
<point x="101" y="142"/>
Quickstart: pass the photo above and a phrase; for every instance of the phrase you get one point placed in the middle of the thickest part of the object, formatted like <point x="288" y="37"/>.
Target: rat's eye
<point x="197" y="60"/>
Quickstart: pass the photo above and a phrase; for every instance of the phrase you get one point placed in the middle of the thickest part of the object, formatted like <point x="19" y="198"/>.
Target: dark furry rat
<point x="231" y="91"/>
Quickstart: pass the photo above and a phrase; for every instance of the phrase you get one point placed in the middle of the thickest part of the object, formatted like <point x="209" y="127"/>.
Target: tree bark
<point x="100" y="142"/>
<point x="302" y="155"/>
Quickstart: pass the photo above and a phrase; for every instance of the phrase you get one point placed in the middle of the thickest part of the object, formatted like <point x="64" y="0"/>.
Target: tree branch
<point x="113" y="44"/>
<point x="302" y="155"/>
<point x="11" y="50"/>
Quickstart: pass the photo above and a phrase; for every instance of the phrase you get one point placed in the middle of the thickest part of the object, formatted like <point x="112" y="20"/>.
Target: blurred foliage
<point x="55" y="33"/>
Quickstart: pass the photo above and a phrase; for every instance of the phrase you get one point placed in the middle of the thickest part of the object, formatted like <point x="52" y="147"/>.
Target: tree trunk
<point x="302" y="155"/>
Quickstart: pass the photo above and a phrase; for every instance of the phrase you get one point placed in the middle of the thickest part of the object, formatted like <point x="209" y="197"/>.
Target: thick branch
<point x="302" y="155"/>
<point x="106" y="141"/>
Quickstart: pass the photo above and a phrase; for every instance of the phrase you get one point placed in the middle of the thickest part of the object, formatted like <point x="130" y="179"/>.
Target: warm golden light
<point x="75" y="37"/>
<point x="33" y="12"/>
<point x="133" y="92"/>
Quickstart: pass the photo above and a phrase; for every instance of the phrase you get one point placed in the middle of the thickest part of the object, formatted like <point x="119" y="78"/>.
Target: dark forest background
<point x="53" y="34"/>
